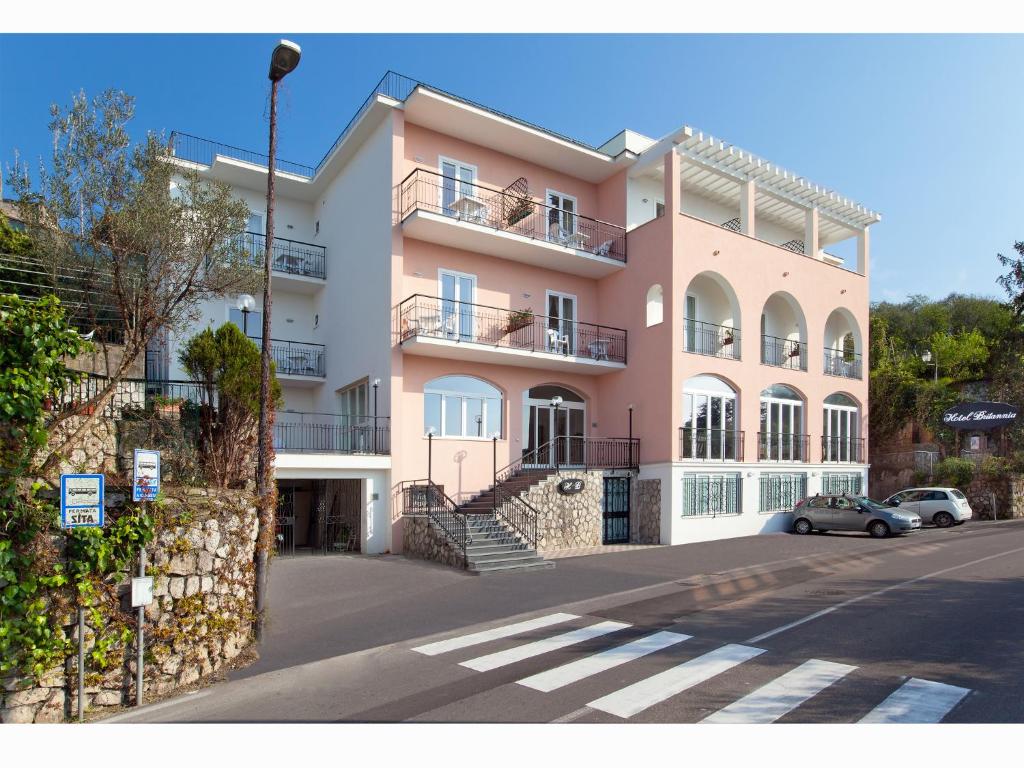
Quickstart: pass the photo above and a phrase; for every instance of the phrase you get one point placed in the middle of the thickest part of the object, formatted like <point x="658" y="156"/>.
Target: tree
<point x="139" y="239"/>
<point x="1013" y="281"/>
<point x="228" y="365"/>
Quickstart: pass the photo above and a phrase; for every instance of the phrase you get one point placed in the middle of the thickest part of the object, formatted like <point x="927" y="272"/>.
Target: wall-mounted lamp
<point x="842" y="291"/>
<point x="526" y="295"/>
<point x="715" y="253"/>
<point x="785" y="274"/>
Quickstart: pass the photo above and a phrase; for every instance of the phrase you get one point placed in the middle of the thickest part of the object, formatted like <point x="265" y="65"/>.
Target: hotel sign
<point x="982" y="416"/>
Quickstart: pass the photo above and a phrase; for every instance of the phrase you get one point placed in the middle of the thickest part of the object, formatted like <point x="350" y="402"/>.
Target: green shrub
<point x="954" y="472"/>
<point x="994" y="467"/>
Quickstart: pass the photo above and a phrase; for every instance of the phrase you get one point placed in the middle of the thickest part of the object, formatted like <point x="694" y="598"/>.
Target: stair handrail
<point x="506" y="472"/>
<point x="444" y="513"/>
<point x="517" y="513"/>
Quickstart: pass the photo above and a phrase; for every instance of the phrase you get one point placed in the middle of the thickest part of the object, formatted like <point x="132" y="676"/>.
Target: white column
<point x="376" y="526"/>
<point x="748" y="191"/>
<point x="811" y="234"/>
<point x="863" y="251"/>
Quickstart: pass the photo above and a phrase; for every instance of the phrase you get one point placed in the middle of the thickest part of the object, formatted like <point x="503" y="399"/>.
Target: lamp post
<point x="283" y="60"/>
<point x="430" y="454"/>
<point x="246" y="304"/>
<point x="629" y="445"/>
<point x="556" y="403"/>
<point x="376" y="383"/>
<point x="926" y="358"/>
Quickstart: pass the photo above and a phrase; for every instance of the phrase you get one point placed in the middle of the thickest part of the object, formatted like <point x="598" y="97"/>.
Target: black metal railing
<point x="425" y="190"/>
<point x="203" y="151"/>
<point x="165" y="397"/>
<point x="783" y="353"/>
<point x="844" y="364"/>
<point x="842" y="449"/>
<point x="709" y="339"/>
<point x="460" y="321"/>
<point x="575" y="453"/>
<point x="331" y="433"/>
<point x="796" y="246"/>
<point x="291" y="256"/>
<point x="702" y="444"/>
<point x="782" y="492"/>
<point x="296" y="358"/>
<point x="782" y="446"/>
<point x="423" y="497"/>
<point x="517" y="513"/>
<point x="732" y="224"/>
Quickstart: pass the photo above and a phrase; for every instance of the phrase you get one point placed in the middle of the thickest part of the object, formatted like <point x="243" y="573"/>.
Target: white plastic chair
<point x="556" y="340"/>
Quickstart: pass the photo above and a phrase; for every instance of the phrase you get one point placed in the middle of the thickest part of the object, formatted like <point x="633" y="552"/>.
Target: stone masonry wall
<point x="200" y="620"/>
<point x="568" y="521"/>
<point x="645" y="512"/>
<point x="1006" y="492"/>
<point x="424" y="541"/>
<point x="97" y="452"/>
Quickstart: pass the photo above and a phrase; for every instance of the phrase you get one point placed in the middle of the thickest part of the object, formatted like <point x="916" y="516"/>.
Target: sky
<point x="923" y="129"/>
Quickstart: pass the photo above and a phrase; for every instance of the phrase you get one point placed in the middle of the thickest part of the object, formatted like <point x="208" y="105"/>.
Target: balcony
<point x="297" y="362"/>
<point x="783" y="353"/>
<point x="302" y="265"/>
<point x="841" y="363"/>
<point x="331" y="433"/>
<point x="841" y="449"/>
<point x="701" y="444"/>
<point x="782" y="446"/>
<point x="702" y="338"/>
<point x="427" y="325"/>
<point x="508" y="224"/>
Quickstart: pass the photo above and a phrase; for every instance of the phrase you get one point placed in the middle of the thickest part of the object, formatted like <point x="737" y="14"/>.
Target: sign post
<point x="145" y="487"/>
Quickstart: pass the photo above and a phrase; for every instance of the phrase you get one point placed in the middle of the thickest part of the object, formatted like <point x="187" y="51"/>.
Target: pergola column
<point x="748" y="193"/>
<point x="811" y="233"/>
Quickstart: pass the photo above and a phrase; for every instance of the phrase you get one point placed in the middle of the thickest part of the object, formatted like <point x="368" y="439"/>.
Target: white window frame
<point x="548" y="295"/>
<point x="796" y="429"/>
<point x="463" y="396"/>
<point x="562" y="197"/>
<point x="441" y="160"/>
<point x="457" y="331"/>
<point x="694" y="393"/>
<point x="688" y="331"/>
<point x="848" y="413"/>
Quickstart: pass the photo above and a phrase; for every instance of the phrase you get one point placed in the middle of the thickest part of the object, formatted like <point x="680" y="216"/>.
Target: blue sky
<point x="924" y="129"/>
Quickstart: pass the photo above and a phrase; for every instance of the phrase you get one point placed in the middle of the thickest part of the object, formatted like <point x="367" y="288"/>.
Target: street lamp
<point x="629" y="445"/>
<point x="926" y="358"/>
<point x="556" y="403"/>
<point x="376" y="383"/>
<point x="283" y="60"/>
<point x="246" y="304"/>
<point x="430" y="453"/>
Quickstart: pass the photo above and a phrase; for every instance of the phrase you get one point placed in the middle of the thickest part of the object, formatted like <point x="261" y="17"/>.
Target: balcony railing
<point x="458" y="321"/>
<point x="842" y="449"/>
<point x="782" y="446"/>
<point x="709" y="339"/>
<point x="844" y="364"/>
<point x="331" y="433"/>
<point x="291" y="256"/>
<point x="519" y="214"/>
<point x="296" y="358"/>
<point x="783" y="353"/>
<point x="699" y="443"/>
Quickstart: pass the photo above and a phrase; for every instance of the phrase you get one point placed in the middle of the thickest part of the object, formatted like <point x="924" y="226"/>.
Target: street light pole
<point x="283" y="60"/>
<point x="556" y="403"/>
<point x="246" y="304"/>
<point x="376" y="383"/>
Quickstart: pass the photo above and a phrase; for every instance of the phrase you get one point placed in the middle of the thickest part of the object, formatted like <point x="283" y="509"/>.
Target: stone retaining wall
<point x="645" y="512"/>
<point x="1006" y="492"/>
<point x="201" y="619"/>
<point x="424" y="541"/>
<point x="568" y="521"/>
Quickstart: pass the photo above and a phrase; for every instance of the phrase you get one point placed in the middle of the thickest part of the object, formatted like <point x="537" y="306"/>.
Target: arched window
<point x="782" y="425"/>
<point x="655" y="309"/>
<point x="710" y="421"/>
<point x="462" y="406"/>
<point x="841" y="425"/>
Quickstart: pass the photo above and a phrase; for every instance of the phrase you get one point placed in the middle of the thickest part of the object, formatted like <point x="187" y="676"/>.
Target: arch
<point x="782" y="392"/>
<point x="842" y="399"/>
<point x="711" y="316"/>
<point x="843" y="356"/>
<point x="655" y="305"/>
<point x="781" y="433"/>
<point x="783" y="332"/>
<point x="710" y="428"/>
<point x="840" y="434"/>
<point x="462" y="406"/>
<point x="563" y="426"/>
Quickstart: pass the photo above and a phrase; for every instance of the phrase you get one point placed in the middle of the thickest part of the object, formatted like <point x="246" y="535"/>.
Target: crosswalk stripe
<point x="784" y="694"/>
<point x="575" y="671"/>
<point x="521" y="652"/>
<point x="498" y="633"/>
<point x="627" y="701"/>
<point x="917" y="701"/>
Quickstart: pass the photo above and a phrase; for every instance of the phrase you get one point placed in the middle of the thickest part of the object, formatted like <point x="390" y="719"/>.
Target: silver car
<point x="852" y="513"/>
<point x="941" y="506"/>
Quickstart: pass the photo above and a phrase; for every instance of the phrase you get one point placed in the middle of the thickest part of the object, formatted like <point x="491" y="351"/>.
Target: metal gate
<point x="616" y="510"/>
<point x="284" y="522"/>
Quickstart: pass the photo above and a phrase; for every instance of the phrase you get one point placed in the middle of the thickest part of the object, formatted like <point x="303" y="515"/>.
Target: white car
<point x="942" y="506"/>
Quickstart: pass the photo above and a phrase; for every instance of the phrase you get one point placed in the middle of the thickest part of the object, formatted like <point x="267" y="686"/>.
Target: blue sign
<point x="81" y="501"/>
<point x="146" y="478"/>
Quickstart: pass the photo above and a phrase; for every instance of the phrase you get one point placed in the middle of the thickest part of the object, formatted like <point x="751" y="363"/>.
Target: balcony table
<point x="599" y="348"/>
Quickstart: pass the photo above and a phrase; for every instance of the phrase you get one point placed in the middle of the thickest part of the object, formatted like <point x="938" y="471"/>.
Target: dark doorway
<point x="616" y="510"/>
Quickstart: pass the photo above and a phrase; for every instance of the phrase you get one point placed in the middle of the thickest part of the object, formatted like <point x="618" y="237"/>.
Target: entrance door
<point x="458" y="292"/>
<point x="561" y="323"/>
<point x="616" y="510"/>
<point x="544" y="423"/>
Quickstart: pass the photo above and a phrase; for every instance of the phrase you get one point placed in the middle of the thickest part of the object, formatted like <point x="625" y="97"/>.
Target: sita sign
<point x="981" y="416"/>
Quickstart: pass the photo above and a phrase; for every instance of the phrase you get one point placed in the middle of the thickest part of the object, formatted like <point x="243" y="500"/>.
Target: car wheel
<point x="878" y="530"/>
<point x="803" y="526"/>
<point x="943" y="519"/>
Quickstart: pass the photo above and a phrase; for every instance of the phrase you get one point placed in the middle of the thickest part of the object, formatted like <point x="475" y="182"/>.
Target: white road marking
<point x="521" y="652"/>
<point x="575" y="671"/>
<point x="784" y="694"/>
<point x="498" y="633"/>
<point x="917" y="701"/>
<point x="876" y="593"/>
<point x="627" y="701"/>
<point x="575" y="715"/>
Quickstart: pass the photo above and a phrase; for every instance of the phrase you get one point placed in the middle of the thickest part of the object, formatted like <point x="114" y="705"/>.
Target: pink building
<point x="660" y="320"/>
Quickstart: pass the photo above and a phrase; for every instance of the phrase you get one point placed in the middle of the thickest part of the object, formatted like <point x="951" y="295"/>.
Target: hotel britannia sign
<point x="982" y="416"/>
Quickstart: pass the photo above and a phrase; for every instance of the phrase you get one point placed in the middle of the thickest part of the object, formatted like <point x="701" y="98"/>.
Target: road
<point x="833" y="628"/>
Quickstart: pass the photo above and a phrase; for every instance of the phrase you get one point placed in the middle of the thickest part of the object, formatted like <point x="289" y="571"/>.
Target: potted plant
<point x="518" y="318"/>
<point x="795" y="351"/>
<point x="728" y="337"/>
<point x="518" y="211"/>
<point x="167" y="407"/>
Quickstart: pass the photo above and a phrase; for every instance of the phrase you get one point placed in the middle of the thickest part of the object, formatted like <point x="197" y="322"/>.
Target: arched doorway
<point x="554" y="418"/>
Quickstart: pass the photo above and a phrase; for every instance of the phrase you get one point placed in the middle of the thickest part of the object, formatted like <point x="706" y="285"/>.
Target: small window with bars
<point x="711" y="495"/>
<point x="781" y="492"/>
<point x="839" y="483"/>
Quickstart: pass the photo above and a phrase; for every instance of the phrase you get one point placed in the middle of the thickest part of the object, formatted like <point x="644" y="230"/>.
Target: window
<point x="462" y="406"/>
<point x="561" y="216"/>
<point x="838" y="483"/>
<point x="840" y="432"/>
<point x="458" y="182"/>
<point x="957" y="494"/>
<point x="711" y="495"/>
<point x="819" y="502"/>
<point x="782" y="422"/>
<point x="458" y="292"/>
<point x="353" y="399"/>
<point x="252" y="325"/>
<point x="561" y="330"/>
<point x="256" y="224"/>
<point x="782" y="492"/>
<point x="659" y="208"/>
<point x="655" y="306"/>
<point x="710" y="419"/>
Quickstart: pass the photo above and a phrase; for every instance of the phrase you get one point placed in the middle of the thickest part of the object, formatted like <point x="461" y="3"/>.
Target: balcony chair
<point x="556" y="340"/>
<point x="604" y="249"/>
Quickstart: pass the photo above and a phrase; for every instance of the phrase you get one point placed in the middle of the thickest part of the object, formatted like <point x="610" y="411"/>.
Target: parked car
<point x="942" y="506"/>
<point x="852" y="513"/>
